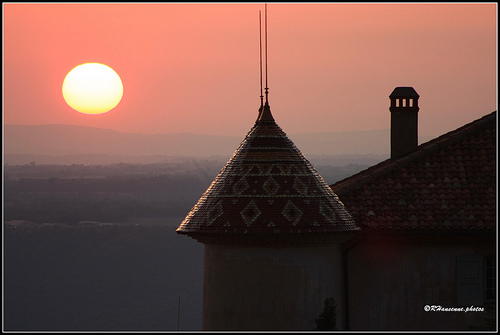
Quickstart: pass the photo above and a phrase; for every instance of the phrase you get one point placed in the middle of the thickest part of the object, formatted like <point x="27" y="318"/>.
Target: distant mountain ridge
<point x="64" y="140"/>
<point x="79" y="140"/>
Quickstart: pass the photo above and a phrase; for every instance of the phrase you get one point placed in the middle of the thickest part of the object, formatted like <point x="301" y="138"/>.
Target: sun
<point x="92" y="88"/>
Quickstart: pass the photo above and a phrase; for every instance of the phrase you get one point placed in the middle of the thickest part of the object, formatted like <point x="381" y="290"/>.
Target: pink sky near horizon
<point x="195" y="67"/>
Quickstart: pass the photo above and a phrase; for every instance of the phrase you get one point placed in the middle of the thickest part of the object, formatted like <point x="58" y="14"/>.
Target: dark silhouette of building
<point x="272" y="230"/>
<point x="404" y="121"/>
<point x="418" y="233"/>
<point x="428" y="230"/>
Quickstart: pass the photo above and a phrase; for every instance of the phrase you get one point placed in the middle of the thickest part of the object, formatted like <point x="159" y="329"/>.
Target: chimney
<point x="404" y="121"/>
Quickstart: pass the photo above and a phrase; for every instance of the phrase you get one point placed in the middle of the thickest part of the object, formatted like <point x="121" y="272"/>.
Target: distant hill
<point x="57" y="140"/>
<point x="22" y="142"/>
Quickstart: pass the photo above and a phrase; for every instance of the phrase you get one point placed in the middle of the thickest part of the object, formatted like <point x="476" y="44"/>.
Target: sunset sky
<point x="195" y="67"/>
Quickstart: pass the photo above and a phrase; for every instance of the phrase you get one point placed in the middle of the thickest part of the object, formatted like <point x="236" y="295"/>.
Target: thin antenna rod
<point x="260" y="50"/>
<point x="267" y="88"/>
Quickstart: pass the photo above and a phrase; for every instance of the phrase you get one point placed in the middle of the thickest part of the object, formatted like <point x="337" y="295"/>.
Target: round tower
<point x="272" y="230"/>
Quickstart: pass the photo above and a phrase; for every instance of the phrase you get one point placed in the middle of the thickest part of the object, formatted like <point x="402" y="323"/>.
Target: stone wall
<point x="269" y="288"/>
<point x="391" y="282"/>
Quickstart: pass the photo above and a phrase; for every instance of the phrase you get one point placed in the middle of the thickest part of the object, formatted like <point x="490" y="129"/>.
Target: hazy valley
<point x="93" y="247"/>
<point x="90" y="218"/>
<point x="68" y="144"/>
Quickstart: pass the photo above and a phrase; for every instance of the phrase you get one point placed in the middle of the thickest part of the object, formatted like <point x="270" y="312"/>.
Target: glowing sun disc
<point x="92" y="88"/>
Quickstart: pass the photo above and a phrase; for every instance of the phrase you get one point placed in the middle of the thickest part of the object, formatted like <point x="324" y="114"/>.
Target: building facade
<point x="272" y="230"/>
<point x="427" y="243"/>
<point x="403" y="245"/>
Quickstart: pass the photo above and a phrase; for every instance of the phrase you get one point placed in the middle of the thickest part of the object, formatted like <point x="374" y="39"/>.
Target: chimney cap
<point x="404" y="92"/>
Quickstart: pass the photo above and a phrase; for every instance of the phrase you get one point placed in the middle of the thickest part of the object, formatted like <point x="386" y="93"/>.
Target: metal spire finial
<point x="265" y="32"/>
<point x="264" y="110"/>
<point x="260" y="50"/>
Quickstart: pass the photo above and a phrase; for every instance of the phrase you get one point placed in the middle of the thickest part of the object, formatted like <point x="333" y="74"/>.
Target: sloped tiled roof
<point x="448" y="183"/>
<point x="267" y="189"/>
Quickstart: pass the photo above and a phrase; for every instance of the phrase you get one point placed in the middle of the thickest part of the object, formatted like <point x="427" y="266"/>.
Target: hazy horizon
<point x="194" y="133"/>
<point x="75" y="140"/>
<point x="221" y="135"/>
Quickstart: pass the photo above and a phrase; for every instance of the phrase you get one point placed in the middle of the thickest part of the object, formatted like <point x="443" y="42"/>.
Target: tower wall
<point x="263" y="288"/>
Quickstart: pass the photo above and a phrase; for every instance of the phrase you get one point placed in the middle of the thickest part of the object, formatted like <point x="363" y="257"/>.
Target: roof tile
<point x="267" y="188"/>
<point x="449" y="182"/>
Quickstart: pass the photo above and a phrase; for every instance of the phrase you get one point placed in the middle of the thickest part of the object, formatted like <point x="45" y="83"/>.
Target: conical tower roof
<point x="268" y="192"/>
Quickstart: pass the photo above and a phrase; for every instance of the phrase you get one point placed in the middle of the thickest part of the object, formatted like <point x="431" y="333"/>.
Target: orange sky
<point x="195" y="67"/>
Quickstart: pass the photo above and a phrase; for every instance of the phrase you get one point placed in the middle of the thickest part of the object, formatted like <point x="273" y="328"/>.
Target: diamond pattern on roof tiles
<point x="250" y="213"/>
<point x="267" y="187"/>
<point x="448" y="183"/>
<point x="292" y="213"/>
